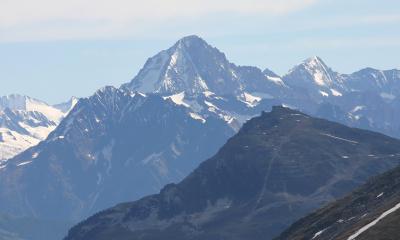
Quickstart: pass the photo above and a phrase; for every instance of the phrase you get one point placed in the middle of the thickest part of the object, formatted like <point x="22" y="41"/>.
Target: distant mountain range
<point x="114" y="146"/>
<point x="25" y="121"/>
<point x="123" y="143"/>
<point x="192" y="69"/>
<point x="278" y="167"/>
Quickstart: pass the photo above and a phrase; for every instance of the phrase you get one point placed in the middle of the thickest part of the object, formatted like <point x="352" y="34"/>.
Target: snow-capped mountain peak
<point x="192" y="69"/>
<point x="320" y="72"/>
<point x="187" y="40"/>
<point x="317" y="78"/>
<point x="24" y="122"/>
<point x="190" y="65"/>
<point x="25" y="103"/>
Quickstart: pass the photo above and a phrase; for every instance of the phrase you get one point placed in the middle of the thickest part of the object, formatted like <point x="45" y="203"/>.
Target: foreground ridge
<point x="278" y="167"/>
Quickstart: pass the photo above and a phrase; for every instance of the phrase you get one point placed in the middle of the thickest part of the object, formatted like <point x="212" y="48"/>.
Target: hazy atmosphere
<point x="199" y="120"/>
<point x="78" y="46"/>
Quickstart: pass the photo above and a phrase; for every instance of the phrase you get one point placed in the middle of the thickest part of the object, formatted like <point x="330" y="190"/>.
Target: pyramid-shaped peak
<point x="190" y="65"/>
<point x="191" y="39"/>
<point x="313" y="73"/>
<point x="193" y="66"/>
<point x="314" y="61"/>
<point x="311" y="64"/>
<point x="193" y="45"/>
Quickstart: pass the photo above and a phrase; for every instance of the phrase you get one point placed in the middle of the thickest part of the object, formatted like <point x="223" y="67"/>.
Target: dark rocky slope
<point x="351" y="216"/>
<point x="279" y="167"/>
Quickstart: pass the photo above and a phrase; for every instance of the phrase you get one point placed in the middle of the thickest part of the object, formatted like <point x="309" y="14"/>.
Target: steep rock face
<point x="278" y="167"/>
<point x="192" y="70"/>
<point x="193" y="66"/>
<point x="315" y="79"/>
<point x="369" y="213"/>
<point x="114" y="146"/>
<point x="200" y="77"/>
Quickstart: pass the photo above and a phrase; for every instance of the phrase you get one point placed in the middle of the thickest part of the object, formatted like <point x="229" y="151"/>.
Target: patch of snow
<point x="14" y="143"/>
<point x="23" y="163"/>
<point x="336" y="93"/>
<point x="324" y="94"/>
<point x="319" y="78"/>
<point x="197" y="117"/>
<point x="276" y="80"/>
<point x="339" y="138"/>
<point x="368" y="226"/>
<point x="380" y="195"/>
<point x="228" y="119"/>
<point x="211" y="107"/>
<point x="249" y="99"/>
<point x="208" y="93"/>
<point x="357" y="108"/>
<point x="350" y="219"/>
<point x="178" y="99"/>
<point x="50" y="112"/>
<point x="345" y="156"/>
<point x="288" y="106"/>
<point x="74" y="101"/>
<point x="317" y="69"/>
<point x="318" y="233"/>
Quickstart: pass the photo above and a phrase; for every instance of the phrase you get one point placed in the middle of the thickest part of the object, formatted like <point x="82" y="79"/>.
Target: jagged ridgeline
<point x="278" y="167"/>
<point x="121" y="144"/>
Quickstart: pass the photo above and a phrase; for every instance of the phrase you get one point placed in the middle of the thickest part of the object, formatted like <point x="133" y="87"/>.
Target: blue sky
<point x="54" y="49"/>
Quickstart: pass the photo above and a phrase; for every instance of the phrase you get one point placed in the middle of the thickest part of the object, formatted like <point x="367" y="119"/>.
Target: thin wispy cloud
<point x="75" y="19"/>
